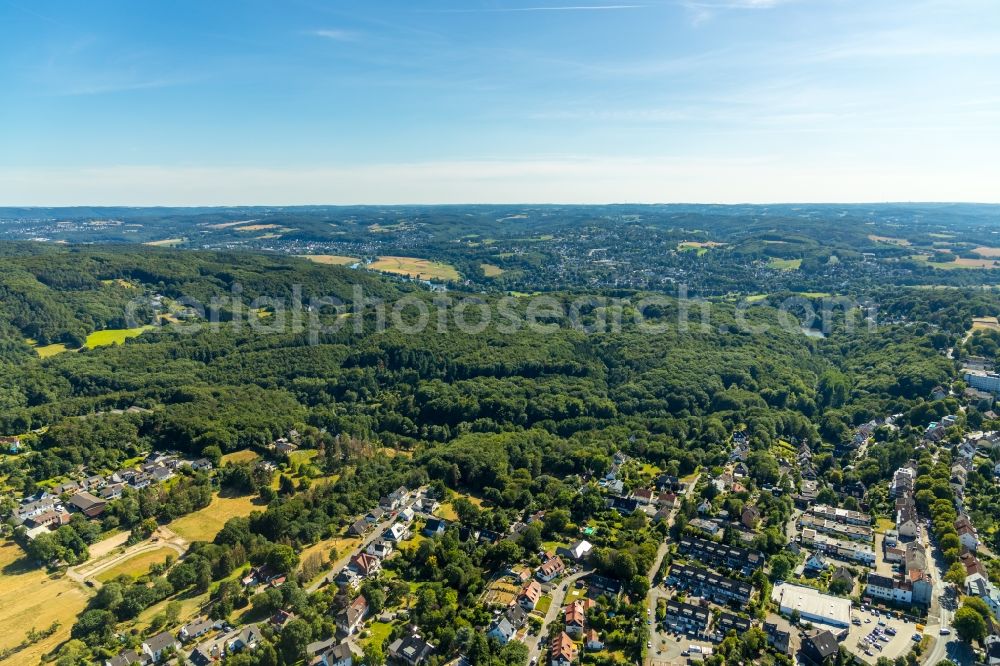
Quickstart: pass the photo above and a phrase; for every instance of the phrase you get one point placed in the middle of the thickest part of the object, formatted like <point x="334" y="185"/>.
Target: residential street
<point x="370" y="537"/>
<point x="558" y="596"/>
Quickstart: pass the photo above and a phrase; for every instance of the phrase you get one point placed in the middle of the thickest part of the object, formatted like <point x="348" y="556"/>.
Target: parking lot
<point x="894" y="646"/>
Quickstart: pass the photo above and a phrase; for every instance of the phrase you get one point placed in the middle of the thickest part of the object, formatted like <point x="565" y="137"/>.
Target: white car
<point x="945" y="631"/>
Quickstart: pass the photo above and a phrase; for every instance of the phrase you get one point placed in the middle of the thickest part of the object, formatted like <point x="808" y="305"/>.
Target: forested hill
<point x="62" y="293"/>
<point x="679" y="392"/>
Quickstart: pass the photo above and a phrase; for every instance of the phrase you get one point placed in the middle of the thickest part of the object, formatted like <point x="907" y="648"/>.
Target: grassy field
<point x="113" y="336"/>
<point x="489" y="270"/>
<point x="245" y="455"/>
<point x="958" y="264"/>
<point x="891" y="240"/>
<point x="204" y="524"/>
<point x="166" y="242"/>
<point x="378" y="632"/>
<point x="985" y="323"/>
<point x="137" y="565"/>
<point x="784" y="264"/>
<point x="30" y="598"/>
<point x="984" y="251"/>
<point x="260" y="227"/>
<point x="46" y="351"/>
<point x="700" y="247"/>
<point x="422" y="269"/>
<point x="330" y="259"/>
<point x="883" y="524"/>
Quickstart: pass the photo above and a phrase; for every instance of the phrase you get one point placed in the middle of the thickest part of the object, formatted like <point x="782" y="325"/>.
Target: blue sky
<point x="424" y="101"/>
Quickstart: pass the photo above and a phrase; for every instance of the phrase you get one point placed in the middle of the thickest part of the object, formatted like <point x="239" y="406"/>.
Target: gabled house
<point x="434" y="526"/>
<point x="365" y="565"/>
<point x="380" y="549"/>
<point x="358" y="528"/>
<point x="89" y="505"/>
<point x="157" y="646"/>
<point x="395" y="533"/>
<point x="563" y="651"/>
<point x="529" y="596"/>
<point x="335" y="655"/>
<point x="352" y="617"/>
<point x="551" y="568"/>
<point x="195" y="629"/>
<point x="750" y="516"/>
<point x="592" y="640"/>
<point x="819" y="646"/>
<point x="410" y="651"/>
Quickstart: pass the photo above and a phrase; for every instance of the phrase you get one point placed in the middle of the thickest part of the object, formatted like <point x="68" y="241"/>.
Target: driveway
<point x="558" y="597"/>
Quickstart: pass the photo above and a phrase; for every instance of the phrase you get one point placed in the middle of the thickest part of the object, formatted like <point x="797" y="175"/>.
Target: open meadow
<point x="422" y="269"/>
<point x="204" y="524"/>
<point x="30" y="598"/>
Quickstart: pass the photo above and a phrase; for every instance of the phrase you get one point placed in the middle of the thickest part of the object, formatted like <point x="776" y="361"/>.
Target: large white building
<point x="812" y="605"/>
<point x="983" y="380"/>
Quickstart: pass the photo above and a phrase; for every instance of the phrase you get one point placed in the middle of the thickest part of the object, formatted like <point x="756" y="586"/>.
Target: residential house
<point x="365" y="565"/>
<point x="843" y="574"/>
<point x="375" y="515"/>
<point x="721" y="555"/>
<point x="157" y="646"/>
<point x="195" y="629"/>
<point x="727" y="622"/>
<point x="380" y="549"/>
<point x="816" y="564"/>
<point x="578" y="551"/>
<point x="643" y="496"/>
<point x="709" y="585"/>
<point x="335" y="655"/>
<point x="551" y="568"/>
<point x="980" y="586"/>
<point x="563" y="650"/>
<point x="623" y="505"/>
<point x="411" y="650"/>
<point x="280" y="618"/>
<point x="529" y="596"/>
<point x="686" y="618"/>
<point x="434" y="526"/>
<point x="967" y="534"/>
<point x="406" y="514"/>
<point x="592" y="640"/>
<point x="127" y="658"/>
<point x="750" y="516"/>
<point x="351" y="618"/>
<point x="777" y="637"/>
<point x="395" y="533"/>
<point x="575" y="616"/>
<point x="358" y="528"/>
<point x="820" y="645"/>
<point x="90" y="505"/>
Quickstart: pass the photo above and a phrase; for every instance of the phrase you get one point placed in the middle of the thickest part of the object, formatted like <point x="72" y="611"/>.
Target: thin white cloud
<point x="764" y="179"/>
<point x="336" y="34"/>
<point x="551" y="8"/>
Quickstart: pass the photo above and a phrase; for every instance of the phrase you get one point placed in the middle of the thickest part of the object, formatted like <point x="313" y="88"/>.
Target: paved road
<point x="655" y="593"/>
<point x="558" y="596"/>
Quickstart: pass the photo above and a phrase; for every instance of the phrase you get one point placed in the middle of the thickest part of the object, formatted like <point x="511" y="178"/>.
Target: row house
<point x="686" y="618"/>
<point x="721" y="555"/>
<point x="840" y="530"/>
<point x="704" y="583"/>
<point x="727" y="622"/>
<point x="841" y="515"/>
<point x="844" y="550"/>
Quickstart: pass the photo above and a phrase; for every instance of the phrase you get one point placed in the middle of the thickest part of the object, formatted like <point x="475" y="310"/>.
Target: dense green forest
<point x="519" y="418"/>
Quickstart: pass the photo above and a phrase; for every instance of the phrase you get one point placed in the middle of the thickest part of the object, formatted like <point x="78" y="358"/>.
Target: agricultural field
<point x="699" y="247"/>
<point x="891" y="240"/>
<point x="167" y="242"/>
<point x="204" y="524"/>
<point x="784" y="264"/>
<point x="45" y="351"/>
<point x="136" y="565"/>
<point x="958" y="264"/>
<point x="985" y="323"/>
<point x="489" y="270"/>
<point x="330" y="259"/>
<point x="984" y="251"/>
<point x="29" y="597"/>
<point x="114" y="336"/>
<point x="422" y="269"/>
